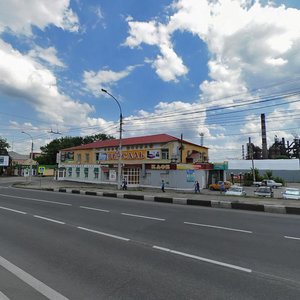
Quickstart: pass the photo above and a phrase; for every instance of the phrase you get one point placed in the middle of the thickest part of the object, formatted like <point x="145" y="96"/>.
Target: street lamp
<point x="120" y="139"/>
<point x="31" y="154"/>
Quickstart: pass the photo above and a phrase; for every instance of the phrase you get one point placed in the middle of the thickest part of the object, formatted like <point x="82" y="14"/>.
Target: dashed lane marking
<point x="218" y="227"/>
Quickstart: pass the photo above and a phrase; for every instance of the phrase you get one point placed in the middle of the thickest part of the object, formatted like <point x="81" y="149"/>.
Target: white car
<point x="236" y="191"/>
<point x="291" y="193"/>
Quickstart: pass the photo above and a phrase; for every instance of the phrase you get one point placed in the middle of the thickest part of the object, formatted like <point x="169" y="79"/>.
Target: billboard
<point x="4" y="160"/>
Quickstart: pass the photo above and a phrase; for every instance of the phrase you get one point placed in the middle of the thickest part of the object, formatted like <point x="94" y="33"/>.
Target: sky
<point x="190" y="67"/>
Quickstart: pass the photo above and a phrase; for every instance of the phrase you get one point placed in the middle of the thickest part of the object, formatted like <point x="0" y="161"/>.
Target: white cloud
<point x="46" y="54"/>
<point x="106" y="79"/>
<point x="37" y="86"/>
<point x="20" y="16"/>
<point x="250" y="46"/>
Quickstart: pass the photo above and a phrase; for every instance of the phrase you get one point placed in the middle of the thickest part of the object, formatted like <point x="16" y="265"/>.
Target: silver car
<point x="291" y="193"/>
<point x="264" y="191"/>
<point x="236" y="190"/>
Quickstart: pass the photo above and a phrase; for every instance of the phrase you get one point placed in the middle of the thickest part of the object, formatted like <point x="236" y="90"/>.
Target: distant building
<point x="20" y="164"/>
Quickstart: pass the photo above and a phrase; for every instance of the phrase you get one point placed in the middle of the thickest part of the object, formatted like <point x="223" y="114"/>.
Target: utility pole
<point x="120" y="139"/>
<point x="31" y="155"/>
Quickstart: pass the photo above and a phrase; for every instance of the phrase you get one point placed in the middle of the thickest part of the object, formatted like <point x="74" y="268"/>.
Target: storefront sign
<point x="194" y="166"/>
<point x="127" y="155"/>
<point x="67" y="156"/>
<point x="153" y="154"/>
<point x="190" y="175"/>
<point x="4" y="160"/>
<point x="160" y="167"/>
<point x="112" y="175"/>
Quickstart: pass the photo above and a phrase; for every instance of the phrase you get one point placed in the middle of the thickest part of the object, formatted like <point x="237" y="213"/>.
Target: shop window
<point x="87" y="157"/>
<point x="70" y="172"/>
<point x="77" y="172"/>
<point x="96" y="173"/>
<point x="86" y="172"/>
<point x="165" y="153"/>
<point x="132" y="175"/>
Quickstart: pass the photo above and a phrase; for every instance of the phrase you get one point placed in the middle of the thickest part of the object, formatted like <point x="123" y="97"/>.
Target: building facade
<point x="145" y="161"/>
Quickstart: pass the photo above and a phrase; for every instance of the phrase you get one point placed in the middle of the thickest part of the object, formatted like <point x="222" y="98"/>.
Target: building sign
<point x="160" y="167"/>
<point x="127" y="155"/>
<point x="153" y="154"/>
<point x="190" y="175"/>
<point x="4" y="160"/>
<point x="67" y="156"/>
<point x="112" y="175"/>
<point x="102" y="156"/>
<point x="221" y="166"/>
<point x="203" y="166"/>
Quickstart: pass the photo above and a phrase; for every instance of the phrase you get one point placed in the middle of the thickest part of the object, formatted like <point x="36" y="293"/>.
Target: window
<point x="77" y="172"/>
<point x="78" y="158"/>
<point x="87" y="157"/>
<point x="132" y="175"/>
<point x="70" y="172"/>
<point x="96" y="173"/>
<point x="97" y="156"/>
<point x="86" y="172"/>
<point x="164" y="153"/>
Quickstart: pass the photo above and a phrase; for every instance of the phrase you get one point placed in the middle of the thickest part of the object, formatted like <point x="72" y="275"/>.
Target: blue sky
<point x="176" y="67"/>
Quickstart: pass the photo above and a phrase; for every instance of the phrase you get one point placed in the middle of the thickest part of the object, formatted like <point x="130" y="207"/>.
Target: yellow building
<point x="145" y="160"/>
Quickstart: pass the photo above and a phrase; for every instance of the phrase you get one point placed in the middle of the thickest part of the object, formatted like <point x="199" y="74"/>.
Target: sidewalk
<point x="205" y="198"/>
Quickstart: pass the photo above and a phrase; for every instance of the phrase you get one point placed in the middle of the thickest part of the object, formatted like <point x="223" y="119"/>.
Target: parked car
<point x="217" y="186"/>
<point x="291" y="193"/>
<point x="235" y="190"/>
<point x="268" y="182"/>
<point x="264" y="191"/>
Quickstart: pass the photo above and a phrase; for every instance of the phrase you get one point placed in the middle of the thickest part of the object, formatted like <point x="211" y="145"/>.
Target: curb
<point x="269" y="208"/>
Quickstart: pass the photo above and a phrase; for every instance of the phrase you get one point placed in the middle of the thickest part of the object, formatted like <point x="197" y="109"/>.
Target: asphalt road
<point x="67" y="246"/>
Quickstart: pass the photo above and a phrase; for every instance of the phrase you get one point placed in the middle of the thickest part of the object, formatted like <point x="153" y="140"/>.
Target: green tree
<point x="3" y="146"/>
<point x="49" y="151"/>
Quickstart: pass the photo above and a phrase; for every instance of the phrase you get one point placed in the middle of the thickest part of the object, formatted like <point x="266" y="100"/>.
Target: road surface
<point x="68" y="246"/>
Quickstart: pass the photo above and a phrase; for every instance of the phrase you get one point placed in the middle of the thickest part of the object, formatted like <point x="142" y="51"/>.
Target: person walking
<point x="222" y="188"/>
<point x="124" y="185"/>
<point x="163" y="185"/>
<point x="197" y="187"/>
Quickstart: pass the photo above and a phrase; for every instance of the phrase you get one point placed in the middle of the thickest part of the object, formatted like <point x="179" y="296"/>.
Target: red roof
<point x="148" y="139"/>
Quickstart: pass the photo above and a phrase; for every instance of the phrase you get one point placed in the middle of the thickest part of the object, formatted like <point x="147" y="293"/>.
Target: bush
<point x="279" y="179"/>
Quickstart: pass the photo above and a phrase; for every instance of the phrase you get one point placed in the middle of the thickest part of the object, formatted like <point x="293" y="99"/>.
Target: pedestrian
<point x="163" y="185"/>
<point x="222" y="187"/>
<point x="124" y="184"/>
<point x="197" y="187"/>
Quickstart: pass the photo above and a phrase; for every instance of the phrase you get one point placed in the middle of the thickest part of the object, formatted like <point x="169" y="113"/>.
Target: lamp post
<point x="120" y="139"/>
<point x="31" y="154"/>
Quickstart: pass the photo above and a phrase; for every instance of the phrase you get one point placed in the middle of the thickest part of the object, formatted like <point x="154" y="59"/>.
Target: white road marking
<point x="48" y="219"/>
<point x="215" y="262"/>
<point x="92" y="208"/>
<point x="14" y="210"/>
<point x="38" y="200"/>
<point x="145" y="217"/>
<point x="292" y="237"/>
<point x="30" y="280"/>
<point x="3" y="297"/>
<point x="105" y="234"/>
<point x="218" y="227"/>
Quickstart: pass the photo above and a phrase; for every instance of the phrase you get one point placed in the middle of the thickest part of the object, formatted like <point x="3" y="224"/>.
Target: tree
<point x="3" y="146"/>
<point x="48" y="156"/>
